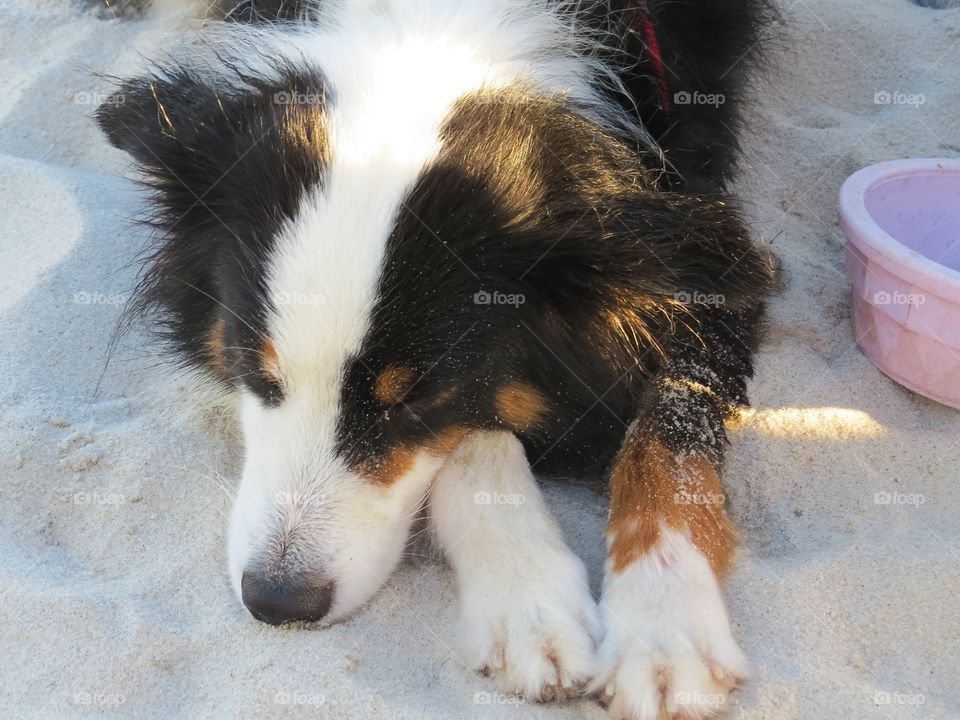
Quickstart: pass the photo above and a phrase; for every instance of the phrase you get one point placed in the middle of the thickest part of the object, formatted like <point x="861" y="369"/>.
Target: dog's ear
<point x="237" y="152"/>
<point x="181" y="128"/>
<point x="228" y="162"/>
<point x="650" y="277"/>
<point x="153" y="119"/>
<point x="652" y="248"/>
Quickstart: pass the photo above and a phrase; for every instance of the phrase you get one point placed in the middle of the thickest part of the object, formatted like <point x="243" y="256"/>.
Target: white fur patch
<point x="668" y="650"/>
<point x="526" y="614"/>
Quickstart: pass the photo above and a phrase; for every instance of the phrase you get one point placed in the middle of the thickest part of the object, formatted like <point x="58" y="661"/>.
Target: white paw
<point x="533" y="628"/>
<point x="668" y="651"/>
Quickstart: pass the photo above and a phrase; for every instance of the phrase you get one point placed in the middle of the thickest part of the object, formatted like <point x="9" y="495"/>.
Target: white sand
<point x="113" y="594"/>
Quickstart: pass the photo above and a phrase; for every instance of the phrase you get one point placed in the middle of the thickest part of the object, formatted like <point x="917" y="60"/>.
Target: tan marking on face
<point x="651" y="487"/>
<point x="215" y="346"/>
<point x="269" y="364"/>
<point x="520" y="406"/>
<point x="446" y="442"/>
<point x="391" y="467"/>
<point x="399" y="460"/>
<point x="392" y="384"/>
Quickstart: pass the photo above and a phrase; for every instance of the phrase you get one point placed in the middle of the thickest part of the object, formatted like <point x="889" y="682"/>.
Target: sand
<point x="114" y="598"/>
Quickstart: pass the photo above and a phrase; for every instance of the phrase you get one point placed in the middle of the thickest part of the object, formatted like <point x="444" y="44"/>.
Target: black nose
<point x="304" y="596"/>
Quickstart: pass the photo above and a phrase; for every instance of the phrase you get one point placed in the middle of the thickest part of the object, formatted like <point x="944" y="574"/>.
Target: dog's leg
<point x="527" y="616"/>
<point x="668" y="649"/>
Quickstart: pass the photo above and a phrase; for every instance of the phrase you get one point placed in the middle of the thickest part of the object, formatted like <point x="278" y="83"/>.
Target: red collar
<point x="641" y="21"/>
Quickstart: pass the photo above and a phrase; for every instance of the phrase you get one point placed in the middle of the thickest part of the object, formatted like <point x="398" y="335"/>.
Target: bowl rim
<point x="864" y="232"/>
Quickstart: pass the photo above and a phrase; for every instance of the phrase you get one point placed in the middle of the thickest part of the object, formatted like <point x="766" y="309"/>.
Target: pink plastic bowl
<point x="902" y="222"/>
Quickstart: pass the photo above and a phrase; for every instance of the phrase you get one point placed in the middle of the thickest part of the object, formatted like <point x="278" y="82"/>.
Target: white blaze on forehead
<point x="389" y="97"/>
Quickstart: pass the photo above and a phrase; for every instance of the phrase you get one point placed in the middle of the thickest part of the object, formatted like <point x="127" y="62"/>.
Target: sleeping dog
<point x="441" y="249"/>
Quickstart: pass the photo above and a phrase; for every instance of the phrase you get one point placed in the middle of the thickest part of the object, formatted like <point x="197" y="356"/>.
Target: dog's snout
<point x="304" y="596"/>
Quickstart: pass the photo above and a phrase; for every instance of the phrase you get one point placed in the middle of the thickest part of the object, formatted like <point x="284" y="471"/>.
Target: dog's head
<point x="379" y="266"/>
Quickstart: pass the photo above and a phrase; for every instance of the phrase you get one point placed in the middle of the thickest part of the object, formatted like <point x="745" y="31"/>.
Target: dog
<point x="443" y="250"/>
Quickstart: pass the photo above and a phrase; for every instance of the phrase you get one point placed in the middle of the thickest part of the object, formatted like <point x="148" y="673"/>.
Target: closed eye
<point x="420" y="403"/>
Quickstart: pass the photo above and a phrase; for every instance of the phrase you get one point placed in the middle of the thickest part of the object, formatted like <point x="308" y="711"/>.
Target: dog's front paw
<point x="666" y="675"/>
<point x="668" y="651"/>
<point x="534" y="629"/>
